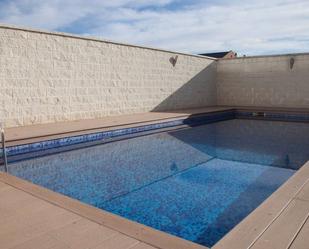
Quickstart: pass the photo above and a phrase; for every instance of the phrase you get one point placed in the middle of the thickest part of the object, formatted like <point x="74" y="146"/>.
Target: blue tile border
<point x="270" y="115"/>
<point x="107" y="135"/>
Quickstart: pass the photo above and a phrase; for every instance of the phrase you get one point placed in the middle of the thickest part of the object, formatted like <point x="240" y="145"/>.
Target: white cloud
<point x="250" y="27"/>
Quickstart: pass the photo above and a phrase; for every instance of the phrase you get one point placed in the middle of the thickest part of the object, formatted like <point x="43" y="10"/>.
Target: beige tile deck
<point x="302" y="239"/>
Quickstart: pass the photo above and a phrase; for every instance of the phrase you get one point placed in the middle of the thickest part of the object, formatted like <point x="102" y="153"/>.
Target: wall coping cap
<point x="96" y="39"/>
<point x="266" y="56"/>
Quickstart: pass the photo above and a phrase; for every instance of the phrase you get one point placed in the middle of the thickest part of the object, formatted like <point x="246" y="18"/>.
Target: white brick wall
<point x="49" y="77"/>
<point x="264" y="81"/>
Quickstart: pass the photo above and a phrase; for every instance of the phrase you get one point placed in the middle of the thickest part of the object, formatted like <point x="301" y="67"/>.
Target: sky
<point x="253" y="27"/>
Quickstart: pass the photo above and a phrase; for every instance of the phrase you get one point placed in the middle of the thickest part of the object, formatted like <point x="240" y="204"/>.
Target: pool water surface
<point x="196" y="183"/>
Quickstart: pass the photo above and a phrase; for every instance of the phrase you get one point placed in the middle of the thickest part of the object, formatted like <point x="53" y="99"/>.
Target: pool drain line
<point x="4" y="156"/>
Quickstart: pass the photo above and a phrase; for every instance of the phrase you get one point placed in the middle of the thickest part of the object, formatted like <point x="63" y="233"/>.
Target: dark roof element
<point x="220" y="55"/>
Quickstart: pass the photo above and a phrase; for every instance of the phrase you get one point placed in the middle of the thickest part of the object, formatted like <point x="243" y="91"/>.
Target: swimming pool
<point x="196" y="183"/>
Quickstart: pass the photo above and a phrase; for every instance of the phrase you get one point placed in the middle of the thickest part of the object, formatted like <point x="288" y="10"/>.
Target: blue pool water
<point x="195" y="183"/>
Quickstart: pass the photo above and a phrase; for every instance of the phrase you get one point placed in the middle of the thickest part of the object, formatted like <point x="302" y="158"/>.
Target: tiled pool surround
<point x="260" y="147"/>
<point x="193" y="121"/>
<point x="72" y="142"/>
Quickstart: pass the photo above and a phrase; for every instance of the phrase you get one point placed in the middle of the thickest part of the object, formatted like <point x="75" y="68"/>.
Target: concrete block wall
<point x="264" y="81"/>
<point x="50" y="77"/>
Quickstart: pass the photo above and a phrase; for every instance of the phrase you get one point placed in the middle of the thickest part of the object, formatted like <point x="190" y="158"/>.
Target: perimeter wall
<point x="50" y="77"/>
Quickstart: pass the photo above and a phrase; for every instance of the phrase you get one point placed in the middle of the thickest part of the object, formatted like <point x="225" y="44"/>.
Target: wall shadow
<point x="200" y="91"/>
<point x="271" y="143"/>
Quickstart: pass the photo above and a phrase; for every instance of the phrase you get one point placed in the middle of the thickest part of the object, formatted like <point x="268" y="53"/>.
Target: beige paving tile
<point x="42" y="242"/>
<point x="280" y="234"/>
<point x="24" y="208"/>
<point x="36" y="213"/>
<point x="17" y="231"/>
<point x="19" y="204"/>
<point x="302" y="239"/>
<point x="12" y="196"/>
<point x="304" y="194"/>
<point x="142" y="246"/>
<point x="3" y="186"/>
<point x="119" y="241"/>
<point x="83" y="234"/>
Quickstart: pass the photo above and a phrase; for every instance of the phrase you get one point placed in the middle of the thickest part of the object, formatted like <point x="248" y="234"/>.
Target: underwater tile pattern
<point x="203" y="203"/>
<point x="103" y="172"/>
<point x="196" y="183"/>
